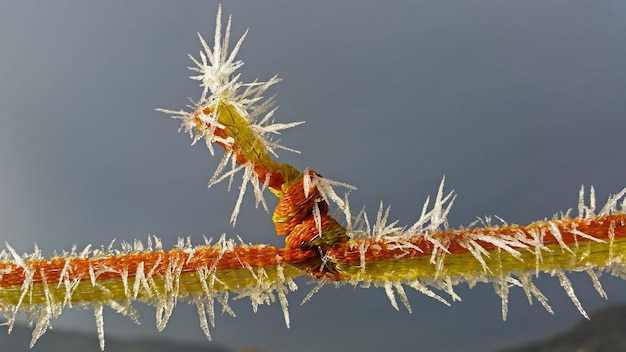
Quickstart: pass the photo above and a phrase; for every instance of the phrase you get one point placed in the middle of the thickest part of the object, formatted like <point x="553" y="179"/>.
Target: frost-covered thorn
<point x="16" y="257"/>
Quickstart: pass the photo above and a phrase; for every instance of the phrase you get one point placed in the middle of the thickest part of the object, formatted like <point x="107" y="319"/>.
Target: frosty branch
<point x="426" y="256"/>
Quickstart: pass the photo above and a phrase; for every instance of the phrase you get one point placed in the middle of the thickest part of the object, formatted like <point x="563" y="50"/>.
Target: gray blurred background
<point x="518" y="103"/>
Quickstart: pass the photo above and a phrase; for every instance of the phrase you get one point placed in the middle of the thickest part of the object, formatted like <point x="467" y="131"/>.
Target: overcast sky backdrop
<point x="518" y="103"/>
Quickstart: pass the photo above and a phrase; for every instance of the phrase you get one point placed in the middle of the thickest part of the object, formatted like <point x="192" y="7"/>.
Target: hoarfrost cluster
<point x="222" y="90"/>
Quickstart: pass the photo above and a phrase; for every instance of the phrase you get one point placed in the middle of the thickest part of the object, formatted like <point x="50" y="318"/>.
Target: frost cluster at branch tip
<point x="224" y="93"/>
